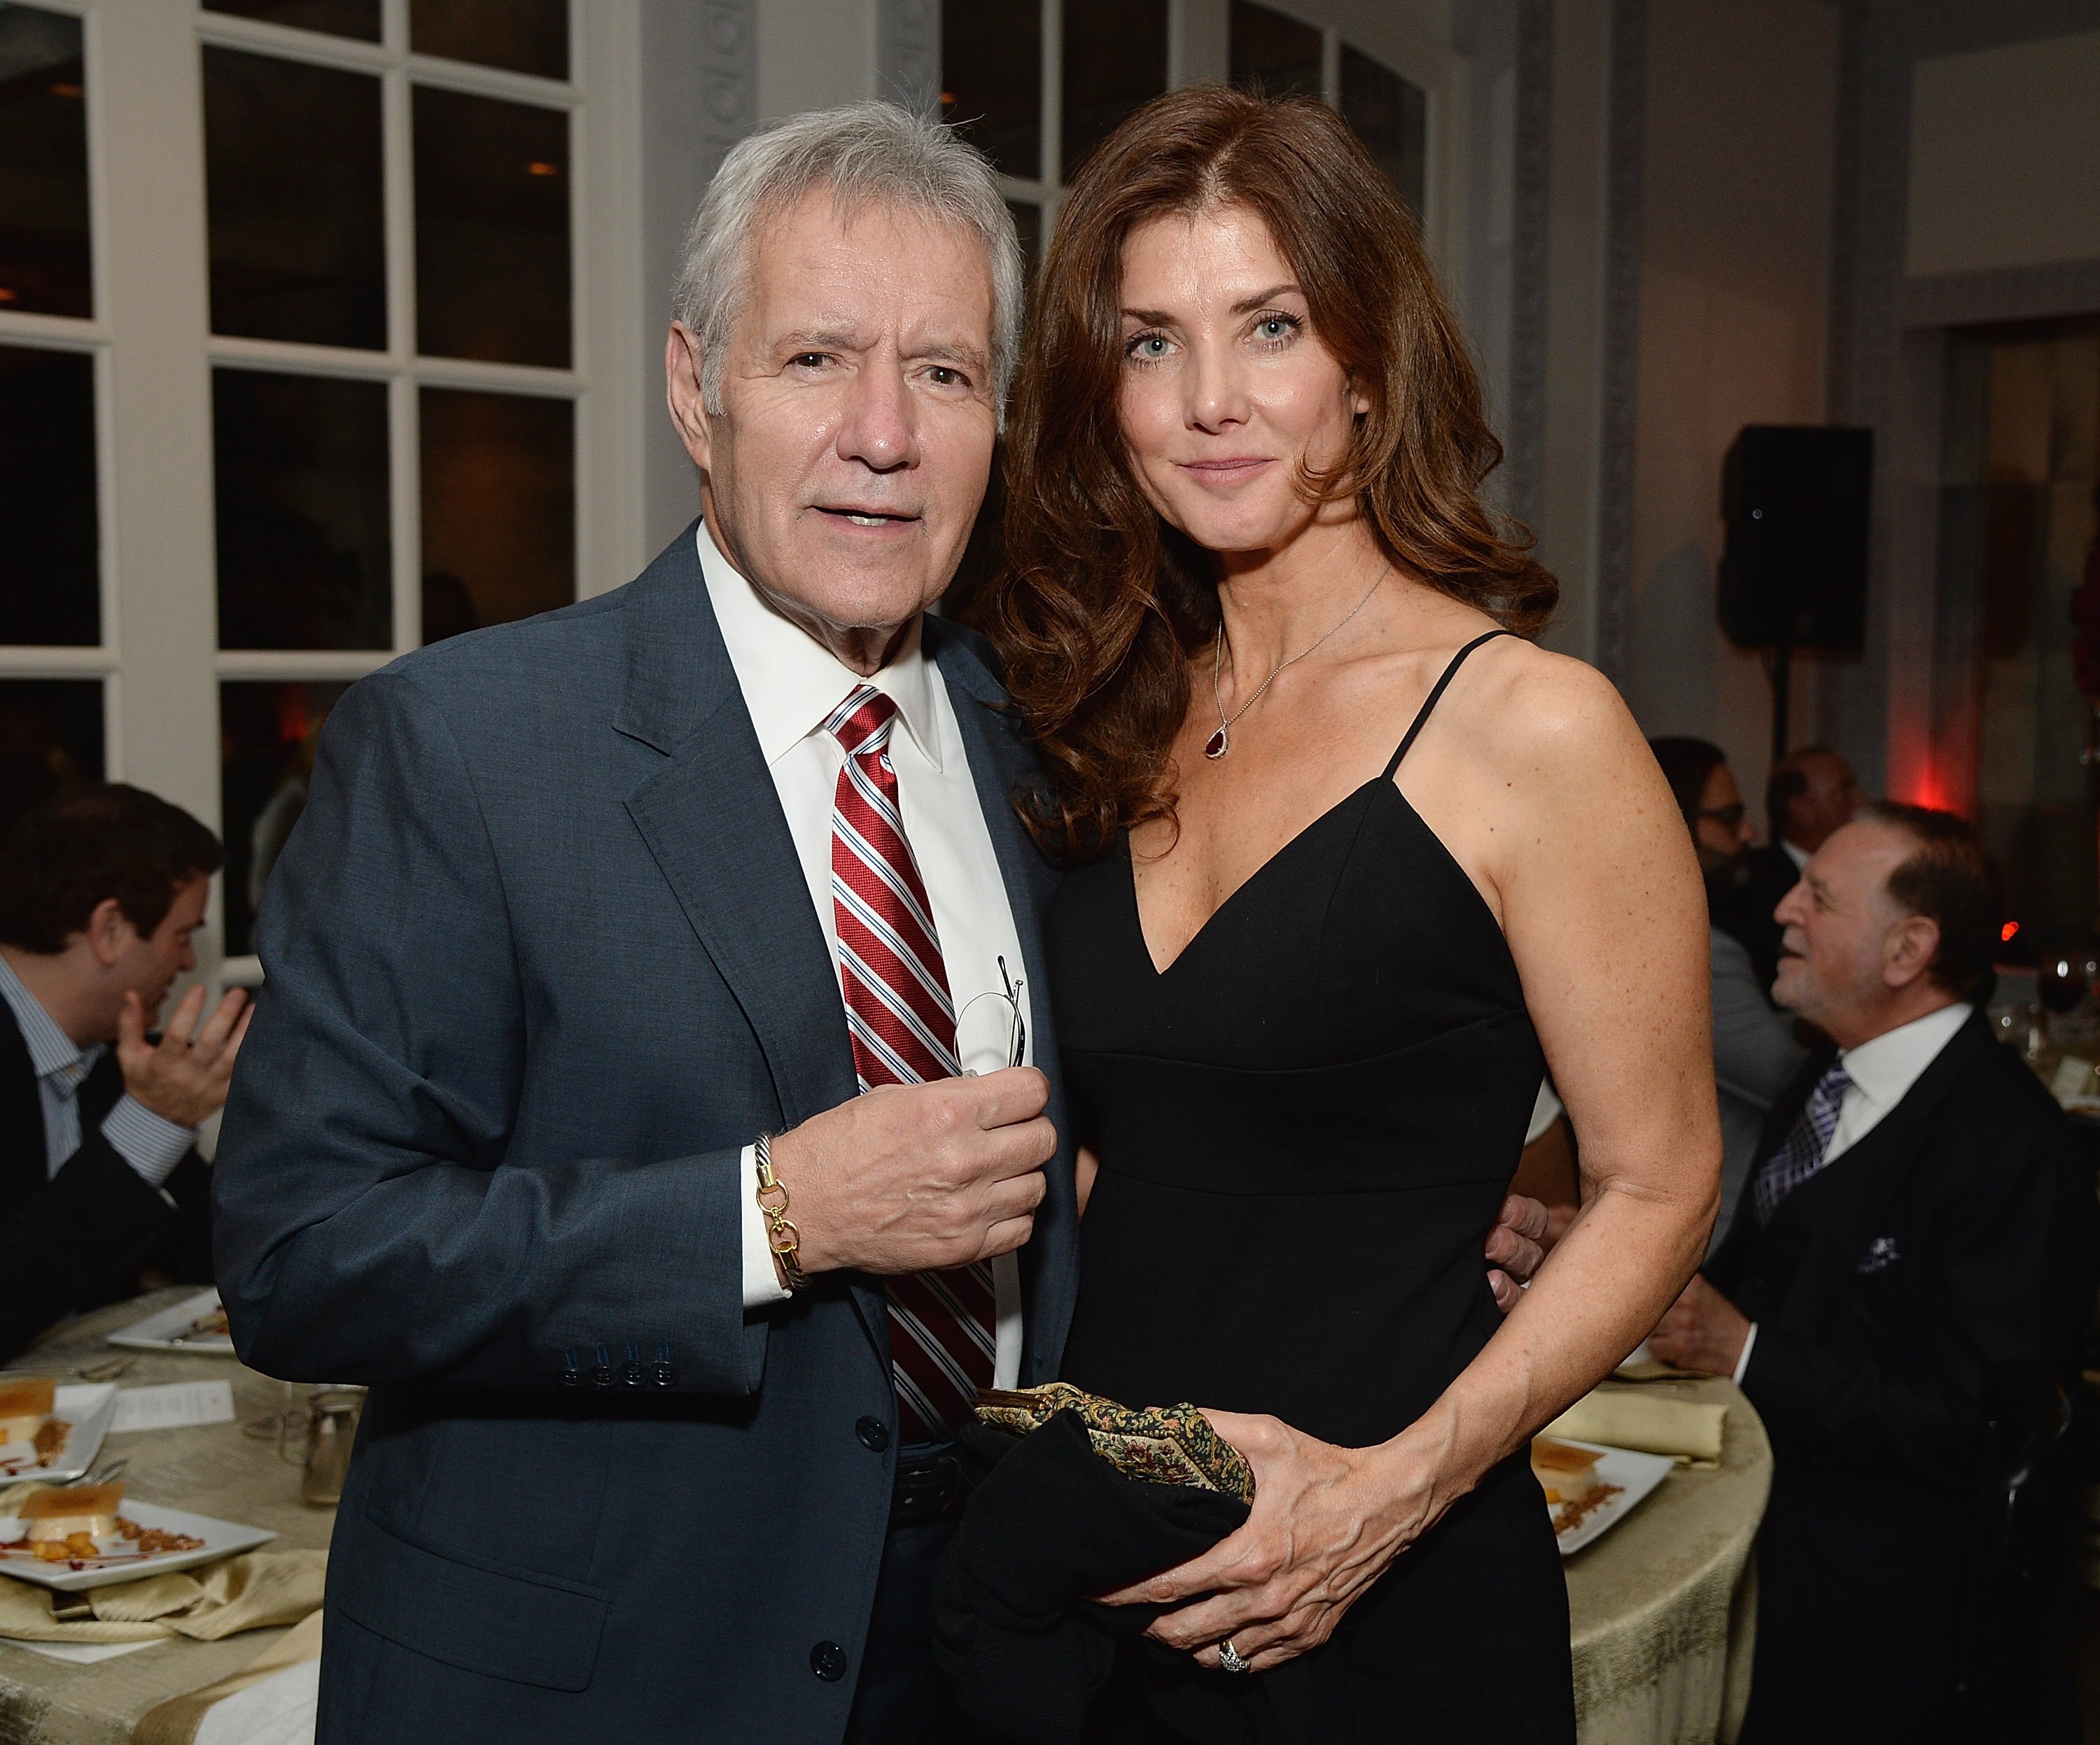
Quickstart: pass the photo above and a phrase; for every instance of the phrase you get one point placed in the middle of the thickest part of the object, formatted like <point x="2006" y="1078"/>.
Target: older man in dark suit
<point x="100" y="889"/>
<point x="603" y="1108"/>
<point x="1919" y="1216"/>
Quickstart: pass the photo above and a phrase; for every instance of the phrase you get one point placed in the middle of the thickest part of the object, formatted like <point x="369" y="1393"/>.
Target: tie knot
<point x="862" y="723"/>
<point x="1834" y="1081"/>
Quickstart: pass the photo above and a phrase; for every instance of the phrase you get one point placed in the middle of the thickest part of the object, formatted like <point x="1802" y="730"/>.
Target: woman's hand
<point x="1326" y="1523"/>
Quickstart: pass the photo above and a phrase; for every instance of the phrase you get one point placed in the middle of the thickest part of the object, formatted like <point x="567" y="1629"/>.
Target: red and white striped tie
<point x="902" y="1024"/>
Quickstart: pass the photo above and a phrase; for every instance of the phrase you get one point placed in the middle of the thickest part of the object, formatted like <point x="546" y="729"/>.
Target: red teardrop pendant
<point x="1217" y="746"/>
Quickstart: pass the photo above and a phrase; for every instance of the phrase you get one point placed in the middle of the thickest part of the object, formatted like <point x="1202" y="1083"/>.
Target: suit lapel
<point x="711" y="816"/>
<point x="1730" y="1263"/>
<point x="1000" y="766"/>
<point x="1842" y="1204"/>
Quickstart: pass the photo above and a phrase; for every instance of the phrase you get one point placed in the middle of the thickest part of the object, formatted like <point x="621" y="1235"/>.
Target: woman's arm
<point x="1582" y="852"/>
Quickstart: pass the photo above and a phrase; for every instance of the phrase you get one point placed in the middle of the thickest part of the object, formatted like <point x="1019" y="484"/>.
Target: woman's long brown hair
<point x="1101" y="603"/>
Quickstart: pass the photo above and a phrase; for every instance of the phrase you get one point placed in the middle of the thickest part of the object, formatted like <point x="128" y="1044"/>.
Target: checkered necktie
<point x="1801" y="1156"/>
<point x="902" y="1026"/>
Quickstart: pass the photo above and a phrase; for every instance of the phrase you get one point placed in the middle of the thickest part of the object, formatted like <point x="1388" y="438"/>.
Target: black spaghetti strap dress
<point x="1306" y="1126"/>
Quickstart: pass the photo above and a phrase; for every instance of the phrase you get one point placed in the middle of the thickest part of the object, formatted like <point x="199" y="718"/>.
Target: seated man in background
<point x="100" y="889"/>
<point x="1918" y="1216"/>
<point x="1755" y="1055"/>
<point x="1809" y="794"/>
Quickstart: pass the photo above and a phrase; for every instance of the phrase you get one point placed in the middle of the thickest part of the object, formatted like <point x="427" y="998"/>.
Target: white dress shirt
<point x="152" y="1145"/>
<point x="1882" y="1072"/>
<point x="1800" y="857"/>
<point x="790" y="684"/>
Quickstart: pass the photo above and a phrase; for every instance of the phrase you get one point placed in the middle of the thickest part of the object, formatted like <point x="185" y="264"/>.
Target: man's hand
<point x="1516" y="1247"/>
<point x="1702" y="1331"/>
<point x="184" y="1079"/>
<point x="920" y="1178"/>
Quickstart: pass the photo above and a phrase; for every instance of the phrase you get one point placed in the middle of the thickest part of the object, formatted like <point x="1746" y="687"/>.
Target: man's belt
<point x="928" y="1486"/>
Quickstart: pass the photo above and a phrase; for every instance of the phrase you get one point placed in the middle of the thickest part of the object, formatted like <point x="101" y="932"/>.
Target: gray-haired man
<point x="579" y="908"/>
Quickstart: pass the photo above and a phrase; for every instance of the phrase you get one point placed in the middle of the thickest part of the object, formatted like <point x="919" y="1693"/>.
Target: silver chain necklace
<point x="1221" y="742"/>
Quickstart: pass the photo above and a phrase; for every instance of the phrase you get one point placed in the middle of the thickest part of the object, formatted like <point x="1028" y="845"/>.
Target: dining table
<point x="1662" y="1608"/>
<point x="219" y="1470"/>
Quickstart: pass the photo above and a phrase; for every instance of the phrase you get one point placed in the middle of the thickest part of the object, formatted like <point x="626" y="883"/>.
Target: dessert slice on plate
<point x="1565" y="1473"/>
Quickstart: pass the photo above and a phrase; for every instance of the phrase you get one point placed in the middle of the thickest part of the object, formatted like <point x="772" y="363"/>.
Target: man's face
<point x="845" y="468"/>
<point x="1828" y="803"/>
<point x="1721" y="831"/>
<point x="149" y="967"/>
<point x="1835" y="953"/>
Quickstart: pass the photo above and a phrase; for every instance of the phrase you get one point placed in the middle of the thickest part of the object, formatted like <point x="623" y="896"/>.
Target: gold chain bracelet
<point x="781" y="1235"/>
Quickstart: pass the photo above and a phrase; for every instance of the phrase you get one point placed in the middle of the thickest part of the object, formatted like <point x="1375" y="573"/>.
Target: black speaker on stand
<point x="1796" y="501"/>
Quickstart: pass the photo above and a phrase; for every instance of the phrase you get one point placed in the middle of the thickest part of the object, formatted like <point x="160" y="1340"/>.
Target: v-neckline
<point x="1137" y="909"/>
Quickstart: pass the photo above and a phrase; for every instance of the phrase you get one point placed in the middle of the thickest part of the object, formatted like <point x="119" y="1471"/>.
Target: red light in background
<point x="2005" y="932"/>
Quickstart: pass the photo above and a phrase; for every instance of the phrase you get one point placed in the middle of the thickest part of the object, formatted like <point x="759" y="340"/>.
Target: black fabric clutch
<point x="1052" y="1518"/>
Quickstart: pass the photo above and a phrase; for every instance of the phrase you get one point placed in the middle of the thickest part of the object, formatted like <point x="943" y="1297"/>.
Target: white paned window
<point x="1036" y="84"/>
<point x="299" y="303"/>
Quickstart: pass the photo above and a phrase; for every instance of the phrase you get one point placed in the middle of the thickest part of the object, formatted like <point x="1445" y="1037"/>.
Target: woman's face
<point x="1227" y="391"/>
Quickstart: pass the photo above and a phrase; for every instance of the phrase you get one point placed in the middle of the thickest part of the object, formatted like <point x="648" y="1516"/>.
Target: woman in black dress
<point x="1354" y="864"/>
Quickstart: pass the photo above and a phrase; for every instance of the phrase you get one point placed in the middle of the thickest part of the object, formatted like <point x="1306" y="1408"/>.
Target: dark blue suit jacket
<point x="541" y="961"/>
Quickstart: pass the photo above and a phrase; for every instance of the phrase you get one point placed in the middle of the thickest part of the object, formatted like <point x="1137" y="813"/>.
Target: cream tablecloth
<point x="212" y="1469"/>
<point x="1664" y="1606"/>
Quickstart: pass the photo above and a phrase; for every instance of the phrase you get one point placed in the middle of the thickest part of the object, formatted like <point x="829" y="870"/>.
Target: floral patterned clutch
<point x="1156" y="1444"/>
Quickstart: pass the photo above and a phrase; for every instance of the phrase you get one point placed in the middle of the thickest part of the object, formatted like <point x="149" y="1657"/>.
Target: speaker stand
<point x="1782" y="686"/>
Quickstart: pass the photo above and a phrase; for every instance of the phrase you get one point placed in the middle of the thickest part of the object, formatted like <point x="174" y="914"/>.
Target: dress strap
<point x="1437" y="690"/>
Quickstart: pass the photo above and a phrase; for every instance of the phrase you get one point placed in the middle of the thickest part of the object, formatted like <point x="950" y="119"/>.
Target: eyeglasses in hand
<point x="1002" y="1032"/>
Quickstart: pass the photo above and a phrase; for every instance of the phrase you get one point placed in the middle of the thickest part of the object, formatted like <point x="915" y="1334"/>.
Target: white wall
<point x="2005" y="157"/>
<point x="1737" y="178"/>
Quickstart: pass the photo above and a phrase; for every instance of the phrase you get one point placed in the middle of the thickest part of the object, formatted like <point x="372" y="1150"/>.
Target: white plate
<point x="173" y="1329"/>
<point x="221" y="1539"/>
<point x="1635" y="1474"/>
<point x="88" y="1408"/>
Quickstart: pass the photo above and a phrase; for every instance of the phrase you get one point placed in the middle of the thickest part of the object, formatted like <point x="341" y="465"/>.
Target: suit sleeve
<point x="1993" y="1298"/>
<point x="370" y="1225"/>
<point x="1755" y="1056"/>
<point x="77" y="1239"/>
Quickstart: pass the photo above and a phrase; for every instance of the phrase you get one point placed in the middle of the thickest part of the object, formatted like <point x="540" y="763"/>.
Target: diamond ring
<point x="1230" y="1660"/>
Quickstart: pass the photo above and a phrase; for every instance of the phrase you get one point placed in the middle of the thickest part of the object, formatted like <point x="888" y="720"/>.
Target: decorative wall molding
<point x="1525" y="435"/>
<point x="1625" y="141"/>
<point x="728" y="78"/>
<point x="2011" y="293"/>
<point x="907" y="53"/>
<point x="1878" y="319"/>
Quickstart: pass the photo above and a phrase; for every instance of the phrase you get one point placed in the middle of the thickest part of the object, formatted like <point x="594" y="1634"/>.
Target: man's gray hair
<point x="867" y="154"/>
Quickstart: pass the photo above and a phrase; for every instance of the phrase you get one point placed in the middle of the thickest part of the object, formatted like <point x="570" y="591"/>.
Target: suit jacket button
<point x="827" y="1660"/>
<point x="874" y="1434"/>
<point x="667" y="1375"/>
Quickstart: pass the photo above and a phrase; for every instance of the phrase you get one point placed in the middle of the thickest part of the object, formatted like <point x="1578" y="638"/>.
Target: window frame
<point x="158" y="660"/>
<point x="1370" y="27"/>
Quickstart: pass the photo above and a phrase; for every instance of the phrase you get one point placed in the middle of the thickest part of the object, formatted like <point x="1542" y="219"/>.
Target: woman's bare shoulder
<point x="1530" y="709"/>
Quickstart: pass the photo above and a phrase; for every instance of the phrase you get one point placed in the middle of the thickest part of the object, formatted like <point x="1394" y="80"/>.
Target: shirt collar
<point x="1887" y="1066"/>
<point x="791" y="682"/>
<point x="1800" y="857"/>
<point x="50" y="1049"/>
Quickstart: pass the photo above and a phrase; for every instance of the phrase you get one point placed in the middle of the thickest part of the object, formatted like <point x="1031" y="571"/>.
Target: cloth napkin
<point x="1624" y="1418"/>
<point x="253" y="1591"/>
<point x="272" y="1698"/>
